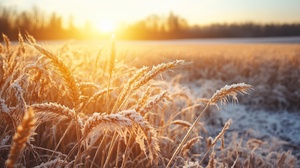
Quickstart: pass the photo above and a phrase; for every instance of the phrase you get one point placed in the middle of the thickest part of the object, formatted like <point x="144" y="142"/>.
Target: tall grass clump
<point x="56" y="113"/>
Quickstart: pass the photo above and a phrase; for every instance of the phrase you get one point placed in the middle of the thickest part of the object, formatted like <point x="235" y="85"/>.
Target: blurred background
<point x="149" y="19"/>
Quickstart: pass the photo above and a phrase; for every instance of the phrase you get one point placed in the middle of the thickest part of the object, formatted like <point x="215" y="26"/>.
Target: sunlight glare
<point x="106" y="26"/>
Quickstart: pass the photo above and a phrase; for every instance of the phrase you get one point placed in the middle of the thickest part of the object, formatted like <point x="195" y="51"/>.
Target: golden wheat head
<point x="229" y="90"/>
<point x="22" y="135"/>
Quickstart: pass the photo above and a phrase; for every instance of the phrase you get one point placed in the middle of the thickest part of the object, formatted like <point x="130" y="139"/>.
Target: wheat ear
<point x="22" y="135"/>
<point x="30" y="38"/>
<point x="182" y="123"/>
<point x="19" y="94"/>
<point x="49" y="111"/>
<point x="227" y="91"/>
<point x="126" y="90"/>
<point x="21" y="42"/>
<point x="112" y="62"/>
<point x="143" y="100"/>
<point x="149" y="133"/>
<point x="84" y="85"/>
<point x="154" y="72"/>
<point x="125" y="120"/>
<point x="116" y="122"/>
<point x="95" y="97"/>
<point x="189" y="144"/>
<point x="112" y="56"/>
<point x="7" y="42"/>
<point x="65" y="73"/>
<point x="222" y="95"/>
<point x="212" y="144"/>
<point x="143" y="110"/>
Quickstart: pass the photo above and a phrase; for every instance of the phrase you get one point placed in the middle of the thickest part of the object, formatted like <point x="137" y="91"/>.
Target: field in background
<point x="272" y="69"/>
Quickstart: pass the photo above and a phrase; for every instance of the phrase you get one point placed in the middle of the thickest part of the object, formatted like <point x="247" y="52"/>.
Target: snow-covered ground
<point x="282" y="127"/>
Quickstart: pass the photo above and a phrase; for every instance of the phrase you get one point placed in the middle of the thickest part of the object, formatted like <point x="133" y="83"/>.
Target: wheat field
<point x="122" y="106"/>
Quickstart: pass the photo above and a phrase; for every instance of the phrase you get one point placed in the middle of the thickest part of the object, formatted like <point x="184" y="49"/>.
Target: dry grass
<point x="100" y="111"/>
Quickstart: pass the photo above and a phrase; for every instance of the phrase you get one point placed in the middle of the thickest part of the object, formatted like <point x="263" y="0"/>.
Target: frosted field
<point x="130" y="104"/>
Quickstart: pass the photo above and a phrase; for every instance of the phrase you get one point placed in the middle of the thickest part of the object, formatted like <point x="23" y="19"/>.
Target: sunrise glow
<point x="105" y="26"/>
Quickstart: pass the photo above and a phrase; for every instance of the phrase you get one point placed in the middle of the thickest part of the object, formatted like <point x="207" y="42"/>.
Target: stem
<point x="60" y="141"/>
<point x="126" y="153"/>
<point x="187" y="135"/>
<point x="96" y="154"/>
<point x="113" y="141"/>
<point x="108" y="96"/>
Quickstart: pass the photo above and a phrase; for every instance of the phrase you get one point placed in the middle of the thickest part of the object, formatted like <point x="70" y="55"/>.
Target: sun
<point x="106" y="26"/>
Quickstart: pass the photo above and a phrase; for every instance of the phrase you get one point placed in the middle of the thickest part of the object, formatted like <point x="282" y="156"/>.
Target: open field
<point x="101" y="107"/>
<point x="273" y="69"/>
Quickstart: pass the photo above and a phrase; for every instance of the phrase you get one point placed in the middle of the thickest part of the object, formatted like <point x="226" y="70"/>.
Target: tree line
<point x="40" y="25"/>
<point x="172" y="26"/>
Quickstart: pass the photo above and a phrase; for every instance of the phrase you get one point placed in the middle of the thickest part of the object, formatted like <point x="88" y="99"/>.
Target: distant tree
<point x="176" y="23"/>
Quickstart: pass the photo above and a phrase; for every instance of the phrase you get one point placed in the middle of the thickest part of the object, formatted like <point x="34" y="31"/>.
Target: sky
<point x="203" y="12"/>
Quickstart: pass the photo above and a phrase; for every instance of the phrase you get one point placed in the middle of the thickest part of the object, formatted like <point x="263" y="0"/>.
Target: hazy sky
<point x="195" y="11"/>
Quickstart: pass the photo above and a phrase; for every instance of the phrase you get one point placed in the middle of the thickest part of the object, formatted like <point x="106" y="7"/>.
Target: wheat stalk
<point x="148" y="131"/>
<point x="19" y="95"/>
<point x="2" y="71"/>
<point x="96" y="96"/>
<point x="182" y="123"/>
<point x="212" y="143"/>
<point x="84" y="85"/>
<point x="22" y="135"/>
<point x="7" y="42"/>
<point x="112" y="57"/>
<point x="122" y="121"/>
<point x="48" y="111"/>
<point x="235" y="161"/>
<point x="225" y="127"/>
<point x="212" y="162"/>
<point x="9" y="122"/>
<point x="30" y="38"/>
<point x="220" y="95"/>
<point x="154" y="72"/>
<point x="39" y="69"/>
<point x="112" y="62"/>
<point x="21" y="42"/>
<point x="126" y="91"/>
<point x="150" y="104"/>
<point x="116" y="122"/>
<point x="65" y="73"/>
<point x="143" y="100"/>
<point x="227" y="91"/>
<point x="189" y="144"/>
